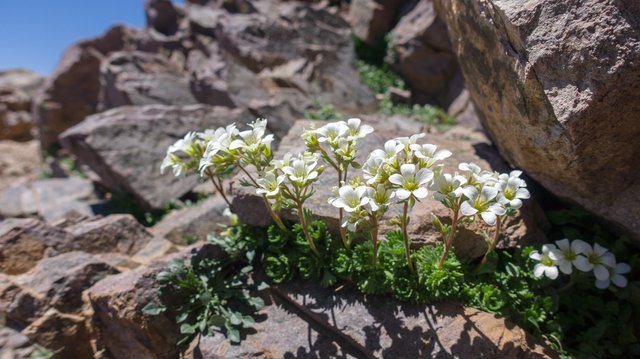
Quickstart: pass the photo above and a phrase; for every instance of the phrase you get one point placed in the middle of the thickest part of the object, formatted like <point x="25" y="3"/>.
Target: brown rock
<point x="119" y="233"/>
<point x="18" y="305"/>
<point x="19" y="162"/>
<point x="60" y="280"/>
<point x="23" y="242"/>
<point x="64" y="334"/>
<point x="72" y="91"/>
<point x="544" y="77"/>
<point x="139" y="78"/>
<point x="163" y="16"/>
<point x="126" y="145"/>
<point x="383" y="328"/>
<point x="372" y="19"/>
<point x="14" y="345"/>
<point x="156" y="248"/>
<point x="191" y="224"/>
<point x="17" y="88"/>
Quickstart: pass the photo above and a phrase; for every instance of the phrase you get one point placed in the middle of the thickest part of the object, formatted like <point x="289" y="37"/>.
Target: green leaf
<point x="188" y="329"/>
<point x="153" y="309"/>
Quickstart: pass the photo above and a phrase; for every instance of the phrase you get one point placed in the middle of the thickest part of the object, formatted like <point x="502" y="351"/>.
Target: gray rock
<point x="64" y="334"/>
<point x="125" y="146"/>
<point x="19" y="162"/>
<point x="119" y="233"/>
<point x="50" y="199"/>
<point x="383" y="328"/>
<point x="163" y="16"/>
<point x="14" y="345"/>
<point x="17" y="88"/>
<point x="545" y="77"/>
<point x="18" y="306"/>
<point x="138" y="78"/>
<point x="192" y="224"/>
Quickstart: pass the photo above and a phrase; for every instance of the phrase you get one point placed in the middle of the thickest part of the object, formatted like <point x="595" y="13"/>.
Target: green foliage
<point x="439" y="283"/>
<point x="212" y="294"/>
<point x="42" y="353"/>
<point x="323" y="112"/>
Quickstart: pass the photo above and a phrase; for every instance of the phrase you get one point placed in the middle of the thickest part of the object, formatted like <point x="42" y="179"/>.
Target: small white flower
<point x="379" y="197"/>
<point x="548" y="260"/>
<point x="331" y="132"/>
<point x="616" y="276"/>
<point x="391" y="149"/>
<point x="483" y="203"/>
<point x="184" y="147"/>
<point x="269" y="184"/>
<point x="411" y="182"/>
<point x="302" y="170"/>
<point x="475" y="175"/>
<point x="569" y="253"/>
<point x="447" y="186"/>
<point x="597" y="259"/>
<point x="350" y="199"/>
<point x="406" y="142"/>
<point x="371" y="170"/>
<point x="512" y="190"/>
<point x="178" y="166"/>
<point x="428" y="153"/>
<point x="253" y="139"/>
<point x="356" y="130"/>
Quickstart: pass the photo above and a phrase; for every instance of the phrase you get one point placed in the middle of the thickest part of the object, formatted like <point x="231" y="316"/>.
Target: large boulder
<point x="125" y="146"/>
<point x="72" y="92"/>
<point x="139" y="78"/>
<point x="372" y="19"/>
<point x="64" y="334"/>
<point x="546" y="77"/>
<point x="17" y="88"/>
<point x="467" y="145"/>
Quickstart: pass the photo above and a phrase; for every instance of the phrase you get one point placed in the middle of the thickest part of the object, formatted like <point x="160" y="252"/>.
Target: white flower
<point x="269" y="184"/>
<point x="391" y="149"/>
<point x="331" y="132"/>
<point x="447" y="186"/>
<point x="302" y="170"/>
<point x="512" y="189"/>
<point x="253" y="139"/>
<point x="411" y="182"/>
<point x="569" y="253"/>
<point x="616" y="276"/>
<point x="350" y="199"/>
<point x="356" y="130"/>
<point x="547" y="259"/>
<point x="475" y="174"/>
<point x="406" y="142"/>
<point x="175" y="152"/>
<point x="371" y="169"/>
<point x="178" y="166"/>
<point x="597" y="259"/>
<point x="482" y="203"/>
<point x="379" y="197"/>
<point x="222" y="136"/>
<point x="428" y="154"/>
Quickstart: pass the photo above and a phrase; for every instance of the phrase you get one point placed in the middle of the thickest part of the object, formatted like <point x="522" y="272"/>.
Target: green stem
<point x="492" y="245"/>
<point x="305" y="230"/>
<point x="374" y="239"/>
<point x="273" y="214"/>
<point x="452" y="234"/>
<point x="405" y="236"/>
<point x="343" y="231"/>
<point x="218" y="187"/>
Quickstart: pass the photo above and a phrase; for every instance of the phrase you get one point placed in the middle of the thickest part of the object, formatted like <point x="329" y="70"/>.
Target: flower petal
<point x="551" y="272"/>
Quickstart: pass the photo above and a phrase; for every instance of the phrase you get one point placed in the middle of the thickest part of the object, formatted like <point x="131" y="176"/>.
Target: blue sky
<point x="34" y="33"/>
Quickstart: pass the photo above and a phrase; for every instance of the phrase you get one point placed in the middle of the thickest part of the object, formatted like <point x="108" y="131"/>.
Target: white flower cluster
<point x="564" y="255"/>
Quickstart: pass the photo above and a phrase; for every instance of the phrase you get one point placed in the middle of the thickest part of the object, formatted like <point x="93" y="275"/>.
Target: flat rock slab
<point x="126" y="145"/>
<point x="385" y="328"/>
<point x="50" y="199"/>
<point x="119" y="233"/>
<point x="466" y="144"/>
<point x="194" y="223"/>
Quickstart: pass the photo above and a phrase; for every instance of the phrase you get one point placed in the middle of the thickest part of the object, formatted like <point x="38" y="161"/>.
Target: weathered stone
<point x="18" y="305"/>
<point x="207" y="76"/>
<point x="60" y="281"/>
<point x="277" y="334"/>
<point x="14" y="345"/>
<point x="545" y="76"/>
<point x="154" y="249"/>
<point x="467" y="146"/>
<point x="62" y="333"/>
<point x="72" y="92"/>
<point x="119" y="233"/>
<point x="17" y="88"/>
<point x="125" y="146"/>
<point x="422" y="53"/>
<point x="192" y="224"/>
<point x="19" y="162"/>
<point x="163" y="16"/>
<point x="23" y="242"/>
<point x="383" y="328"/>
<point x="50" y="199"/>
<point x="371" y="20"/>
<point x="139" y="78"/>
